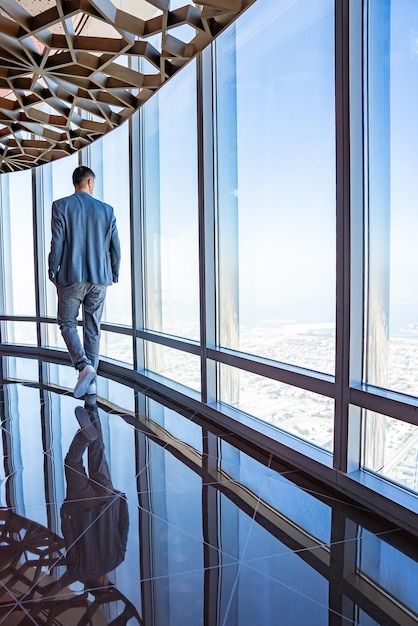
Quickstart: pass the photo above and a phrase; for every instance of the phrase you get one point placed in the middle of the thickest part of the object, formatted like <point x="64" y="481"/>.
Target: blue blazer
<point x="85" y="245"/>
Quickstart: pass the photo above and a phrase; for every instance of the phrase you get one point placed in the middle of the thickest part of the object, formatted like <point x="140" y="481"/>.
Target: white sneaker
<point x="85" y="377"/>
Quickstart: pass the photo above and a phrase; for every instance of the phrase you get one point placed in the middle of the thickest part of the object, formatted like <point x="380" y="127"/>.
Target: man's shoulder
<point x="76" y="199"/>
<point x="61" y="202"/>
<point x="108" y="207"/>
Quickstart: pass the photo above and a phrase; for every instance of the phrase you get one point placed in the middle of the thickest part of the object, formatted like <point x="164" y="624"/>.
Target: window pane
<point x="171" y="208"/>
<point x="392" y="347"/>
<point x="116" y="346"/>
<point x="53" y="336"/>
<point x="179" y="366"/>
<point x="304" y="414"/>
<point x="56" y="183"/>
<point x="20" y="332"/>
<point x="276" y="183"/>
<point x="397" y="449"/>
<point x="20" y="368"/>
<point x="17" y="227"/>
<point x="112" y="166"/>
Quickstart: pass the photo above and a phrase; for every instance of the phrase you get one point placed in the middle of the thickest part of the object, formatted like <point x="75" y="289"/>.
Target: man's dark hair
<point x="82" y="174"/>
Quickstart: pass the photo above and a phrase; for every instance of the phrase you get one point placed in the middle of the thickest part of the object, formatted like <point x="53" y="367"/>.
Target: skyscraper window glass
<point x="57" y="183"/>
<point x="116" y="346"/>
<point x="17" y="251"/>
<point x="275" y="135"/>
<point x="392" y="89"/>
<point x="171" y="263"/>
<point x="114" y="171"/>
<point x="393" y="165"/>
<point x="20" y="332"/>
<point x="173" y="364"/>
<point x="395" y="454"/>
<point x="391" y="338"/>
<point x="297" y="411"/>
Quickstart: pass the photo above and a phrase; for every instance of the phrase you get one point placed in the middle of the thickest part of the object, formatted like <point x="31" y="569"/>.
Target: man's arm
<point x="57" y="243"/>
<point x="114" y="251"/>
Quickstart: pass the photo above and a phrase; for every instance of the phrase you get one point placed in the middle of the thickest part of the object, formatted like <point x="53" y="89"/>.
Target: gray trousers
<point x="91" y="299"/>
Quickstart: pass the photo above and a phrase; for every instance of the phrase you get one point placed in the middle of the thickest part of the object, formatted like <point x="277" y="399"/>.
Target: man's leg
<point x="79" y="485"/>
<point x="93" y="304"/>
<point x="69" y="300"/>
<point x="88" y="418"/>
<point x="98" y="468"/>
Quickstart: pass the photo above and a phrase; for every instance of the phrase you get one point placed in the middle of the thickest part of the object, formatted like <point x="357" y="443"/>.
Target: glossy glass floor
<point x="149" y="515"/>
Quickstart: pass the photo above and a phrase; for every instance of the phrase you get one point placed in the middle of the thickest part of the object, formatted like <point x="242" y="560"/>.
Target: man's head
<point x="83" y="179"/>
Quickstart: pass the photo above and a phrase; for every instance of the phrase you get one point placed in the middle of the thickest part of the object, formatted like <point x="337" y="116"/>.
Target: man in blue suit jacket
<point x="84" y="259"/>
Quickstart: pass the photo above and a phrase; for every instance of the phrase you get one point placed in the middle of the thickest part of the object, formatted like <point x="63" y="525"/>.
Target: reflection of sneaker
<point x="85" y="377"/>
<point x="87" y="427"/>
<point x="91" y="389"/>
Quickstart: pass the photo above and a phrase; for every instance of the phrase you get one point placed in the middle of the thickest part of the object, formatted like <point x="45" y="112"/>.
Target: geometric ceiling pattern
<point x="72" y="70"/>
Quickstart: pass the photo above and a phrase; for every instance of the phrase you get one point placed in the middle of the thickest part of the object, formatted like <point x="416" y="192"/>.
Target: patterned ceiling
<point x="72" y="70"/>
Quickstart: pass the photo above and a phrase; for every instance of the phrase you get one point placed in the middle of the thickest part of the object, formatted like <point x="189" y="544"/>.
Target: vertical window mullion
<point x="4" y="245"/>
<point x="349" y="233"/>
<point x="357" y="230"/>
<point x="342" y="234"/>
<point x="137" y="237"/>
<point x="39" y="234"/>
<point x="206" y="221"/>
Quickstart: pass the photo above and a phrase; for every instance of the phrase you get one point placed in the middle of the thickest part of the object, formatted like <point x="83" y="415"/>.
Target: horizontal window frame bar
<point x="183" y="344"/>
<point x="388" y="403"/>
<point x="309" y="380"/>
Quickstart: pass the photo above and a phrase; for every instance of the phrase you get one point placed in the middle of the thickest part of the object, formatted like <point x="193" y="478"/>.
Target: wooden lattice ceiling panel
<point x="72" y="70"/>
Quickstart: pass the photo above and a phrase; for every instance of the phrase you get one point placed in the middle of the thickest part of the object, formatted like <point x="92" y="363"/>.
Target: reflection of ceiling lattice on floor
<point x="31" y="591"/>
<point x="71" y="70"/>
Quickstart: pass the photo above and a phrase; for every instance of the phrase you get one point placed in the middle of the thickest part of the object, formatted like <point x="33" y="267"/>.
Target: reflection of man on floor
<point x="94" y="515"/>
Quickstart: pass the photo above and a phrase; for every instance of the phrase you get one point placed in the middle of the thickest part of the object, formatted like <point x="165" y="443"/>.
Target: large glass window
<point x="170" y="194"/>
<point x="391" y="296"/>
<point x="304" y="414"/>
<point x="275" y="130"/>
<point x="56" y="183"/>
<point x="115" y="190"/>
<point x="109" y="159"/>
<point x="392" y="91"/>
<point x="174" y="364"/>
<point x="395" y="450"/>
<point x="17" y="250"/>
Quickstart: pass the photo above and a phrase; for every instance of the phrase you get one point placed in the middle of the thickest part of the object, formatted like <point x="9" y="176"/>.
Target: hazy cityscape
<point x="298" y="412"/>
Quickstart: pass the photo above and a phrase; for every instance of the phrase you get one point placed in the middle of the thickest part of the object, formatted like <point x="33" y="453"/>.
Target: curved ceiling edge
<point x="69" y="71"/>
